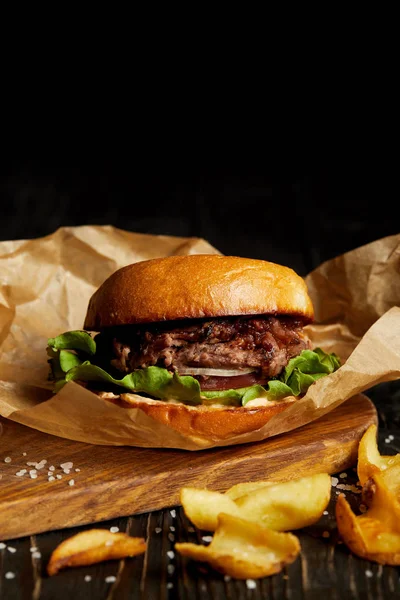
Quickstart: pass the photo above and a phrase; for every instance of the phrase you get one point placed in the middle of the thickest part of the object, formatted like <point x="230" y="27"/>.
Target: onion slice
<point x="215" y="372"/>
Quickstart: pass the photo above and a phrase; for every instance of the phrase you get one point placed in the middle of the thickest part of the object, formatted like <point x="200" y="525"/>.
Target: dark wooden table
<point x="325" y="567"/>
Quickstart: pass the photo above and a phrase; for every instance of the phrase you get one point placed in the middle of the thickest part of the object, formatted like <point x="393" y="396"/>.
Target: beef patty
<point x="262" y="343"/>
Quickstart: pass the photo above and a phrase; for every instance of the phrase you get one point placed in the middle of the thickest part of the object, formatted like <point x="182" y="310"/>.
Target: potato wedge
<point x="93" y="546"/>
<point x="288" y="505"/>
<point x="374" y="535"/>
<point x="370" y="461"/>
<point x="243" y="549"/>
<point x="203" y="506"/>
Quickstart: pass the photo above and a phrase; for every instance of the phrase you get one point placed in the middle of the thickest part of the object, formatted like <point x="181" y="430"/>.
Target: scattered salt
<point x="9" y="575"/>
<point x="67" y="471"/>
<point x="170" y="585"/>
<point x="20" y="473"/>
<point x="387" y="441"/>
<point x="227" y="578"/>
<point x="7" y="459"/>
<point x="343" y="475"/>
<point x="207" y="538"/>
<point x="170" y="554"/>
<point x="24" y="454"/>
<point x="110" y="579"/>
<point x="32" y="472"/>
<point x="88" y="578"/>
<point x="171" y="537"/>
<point x="325" y="512"/>
<point x="36" y="555"/>
<point x="33" y="475"/>
<point x="59" y="476"/>
<point x="158" y="530"/>
<point x="172" y="513"/>
<point x="171" y="528"/>
<point x="114" y="529"/>
<point x="52" y="468"/>
<point x="51" y="478"/>
<point x="71" y="482"/>
<point x="251" y="584"/>
<point x="33" y="549"/>
<point x="11" y="549"/>
<point x="391" y="437"/>
<point x="369" y="573"/>
<point x="2" y="545"/>
<point x="77" y="470"/>
<point x="170" y="569"/>
<point x="31" y="464"/>
<point x="334" y="481"/>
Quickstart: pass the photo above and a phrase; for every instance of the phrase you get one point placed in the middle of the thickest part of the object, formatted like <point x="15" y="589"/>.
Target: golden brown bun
<point x="197" y="286"/>
<point x="214" y="424"/>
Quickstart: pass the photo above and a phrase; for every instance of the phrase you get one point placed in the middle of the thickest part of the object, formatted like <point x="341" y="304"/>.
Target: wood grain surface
<point x="119" y="481"/>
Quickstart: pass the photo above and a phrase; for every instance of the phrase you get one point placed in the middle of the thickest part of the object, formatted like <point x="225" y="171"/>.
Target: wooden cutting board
<point x="120" y="481"/>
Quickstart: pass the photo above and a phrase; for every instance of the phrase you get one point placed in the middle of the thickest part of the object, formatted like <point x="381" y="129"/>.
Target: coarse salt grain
<point x="391" y="437"/>
<point x="369" y="573"/>
<point x="32" y="472"/>
<point x="33" y="549"/>
<point x="11" y="549"/>
<point x="31" y="464"/>
<point x="171" y="537"/>
<point x="20" y="473"/>
<point x="170" y="569"/>
<point x="207" y="538"/>
<point x="170" y="585"/>
<point x="334" y="481"/>
<point x="387" y="441"/>
<point x="343" y="475"/>
<point x="251" y="584"/>
<point x="51" y="478"/>
<point x="9" y="575"/>
<point x="88" y="578"/>
<point x="171" y="528"/>
<point x="158" y="530"/>
<point x="36" y="555"/>
<point x="71" y="482"/>
<point x="2" y="545"/>
<point x="110" y="579"/>
<point x="7" y="459"/>
<point x="325" y="512"/>
<point x="170" y="554"/>
<point x="227" y="578"/>
<point x="114" y="529"/>
<point x="172" y="513"/>
<point x="24" y="454"/>
<point x="52" y="468"/>
<point x="67" y="465"/>
<point x="77" y="470"/>
<point x="33" y="475"/>
<point x="67" y="471"/>
<point x="59" y="476"/>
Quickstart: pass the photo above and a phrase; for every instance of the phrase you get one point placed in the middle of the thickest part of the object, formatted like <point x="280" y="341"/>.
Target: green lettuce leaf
<point x="70" y="351"/>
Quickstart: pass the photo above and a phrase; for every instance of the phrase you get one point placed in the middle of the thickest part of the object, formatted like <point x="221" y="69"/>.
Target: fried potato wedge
<point x="374" y="535"/>
<point x="280" y="506"/>
<point x="93" y="546"/>
<point x="244" y="549"/>
<point x="203" y="506"/>
<point x="288" y="505"/>
<point x="370" y="461"/>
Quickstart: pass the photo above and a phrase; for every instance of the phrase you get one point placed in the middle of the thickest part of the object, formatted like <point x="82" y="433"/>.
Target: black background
<point x="290" y="211"/>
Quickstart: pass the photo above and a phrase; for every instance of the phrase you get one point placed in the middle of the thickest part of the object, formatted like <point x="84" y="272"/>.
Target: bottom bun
<point x="213" y="423"/>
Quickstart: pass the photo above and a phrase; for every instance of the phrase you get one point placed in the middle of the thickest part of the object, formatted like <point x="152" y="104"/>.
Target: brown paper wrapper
<point x="45" y="288"/>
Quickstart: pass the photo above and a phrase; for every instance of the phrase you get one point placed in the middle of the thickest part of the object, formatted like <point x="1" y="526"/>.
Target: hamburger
<point x="212" y="346"/>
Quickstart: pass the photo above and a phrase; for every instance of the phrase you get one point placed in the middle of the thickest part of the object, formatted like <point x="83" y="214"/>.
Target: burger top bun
<point x="197" y="286"/>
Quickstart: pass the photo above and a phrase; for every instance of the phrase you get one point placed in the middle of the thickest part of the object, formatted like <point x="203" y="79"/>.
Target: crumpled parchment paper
<point x="45" y="286"/>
